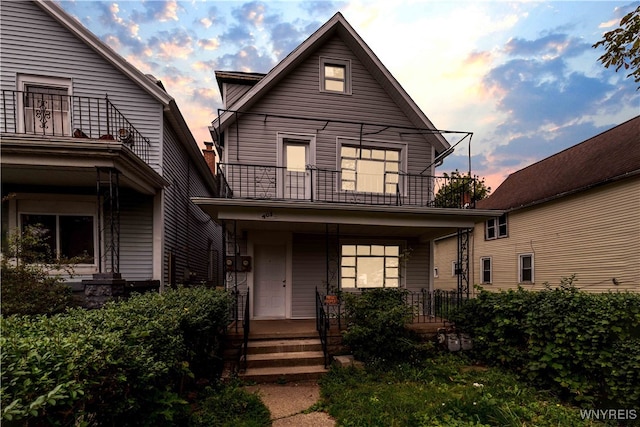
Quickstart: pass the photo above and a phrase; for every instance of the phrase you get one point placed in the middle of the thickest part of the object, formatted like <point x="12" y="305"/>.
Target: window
<point x="370" y="170"/>
<point x="45" y="105"/>
<point x="64" y="236"/>
<point x="525" y="268"/>
<point x="454" y="268"/>
<point x="435" y="272"/>
<point x="370" y="266"/>
<point x="335" y="75"/>
<point x="485" y="266"/>
<point x="496" y="228"/>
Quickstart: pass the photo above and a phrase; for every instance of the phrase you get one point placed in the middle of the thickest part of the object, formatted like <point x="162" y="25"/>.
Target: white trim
<point x="482" y="259"/>
<point x="533" y="277"/>
<point x="365" y="241"/>
<point x="305" y="139"/>
<point x="346" y="63"/>
<point x="25" y="80"/>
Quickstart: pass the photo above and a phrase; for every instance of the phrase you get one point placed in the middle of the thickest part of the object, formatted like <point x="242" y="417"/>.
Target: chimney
<point x="210" y="156"/>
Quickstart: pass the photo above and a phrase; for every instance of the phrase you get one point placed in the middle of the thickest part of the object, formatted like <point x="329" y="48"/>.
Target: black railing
<point x="322" y="325"/>
<point x="56" y="115"/>
<point x="262" y="182"/>
<point x="246" y="328"/>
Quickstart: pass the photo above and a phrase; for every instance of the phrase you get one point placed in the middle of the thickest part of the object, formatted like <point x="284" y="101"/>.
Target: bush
<point x="376" y="329"/>
<point x="230" y="406"/>
<point x="583" y="345"/>
<point x="124" y="364"/>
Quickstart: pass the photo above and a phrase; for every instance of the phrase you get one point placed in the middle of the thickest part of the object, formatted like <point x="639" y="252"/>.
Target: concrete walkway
<point x="287" y="402"/>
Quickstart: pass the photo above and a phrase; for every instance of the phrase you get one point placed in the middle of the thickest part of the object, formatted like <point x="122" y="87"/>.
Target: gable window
<point x="525" y="268"/>
<point x="63" y="236"/>
<point x="485" y="266"/>
<point x="496" y="228"/>
<point x="45" y="105"/>
<point x="369" y="170"/>
<point x="370" y="266"/>
<point x="335" y="75"/>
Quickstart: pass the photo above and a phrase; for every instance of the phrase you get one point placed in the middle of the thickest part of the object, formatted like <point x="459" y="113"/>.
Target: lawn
<point x="443" y="391"/>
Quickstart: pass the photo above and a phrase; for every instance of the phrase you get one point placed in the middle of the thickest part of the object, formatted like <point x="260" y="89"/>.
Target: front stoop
<point x="284" y="359"/>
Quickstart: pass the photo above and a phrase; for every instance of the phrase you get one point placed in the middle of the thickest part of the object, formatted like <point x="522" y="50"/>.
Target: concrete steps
<point x="284" y="359"/>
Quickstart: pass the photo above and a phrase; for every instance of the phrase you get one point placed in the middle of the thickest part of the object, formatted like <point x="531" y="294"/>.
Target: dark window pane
<point x="40" y="246"/>
<point x="76" y="238"/>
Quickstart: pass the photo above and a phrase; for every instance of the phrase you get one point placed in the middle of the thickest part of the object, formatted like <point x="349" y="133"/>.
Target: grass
<point x="441" y="392"/>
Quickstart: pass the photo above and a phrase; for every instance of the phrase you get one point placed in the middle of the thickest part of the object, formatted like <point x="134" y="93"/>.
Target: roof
<point x="147" y="82"/>
<point x="238" y="77"/>
<point x="607" y="157"/>
<point x="336" y="25"/>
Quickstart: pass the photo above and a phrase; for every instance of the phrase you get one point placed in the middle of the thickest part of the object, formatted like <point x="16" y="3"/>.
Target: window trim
<point x="401" y="268"/>
<point x="496" y="222"/>
<point x="24" y="80"/>
<point x="346" y="63"/>
<point x="482" y="270"/>
<point x="520" y="268"/>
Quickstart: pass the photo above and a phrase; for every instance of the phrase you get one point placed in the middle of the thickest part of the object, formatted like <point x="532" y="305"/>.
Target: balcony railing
<point x="242" y="181"/>
<point x="54" y="115"/>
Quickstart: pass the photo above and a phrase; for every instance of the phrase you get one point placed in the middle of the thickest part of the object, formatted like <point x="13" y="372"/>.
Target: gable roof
<point x="609" y="156"/>
<point x="237" y="77"/>
<point x="336" y="25"/>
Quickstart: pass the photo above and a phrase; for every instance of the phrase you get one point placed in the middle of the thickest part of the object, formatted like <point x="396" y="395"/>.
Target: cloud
<point x="285" y="37"/>
<point x="248" y="59"/>
<point x="208" y="66"/>
<point x="552" y="45"/>
<point x="250" y="13"/>
<point x="238" y="34"/>
<point x="169" y="45"/>
<point x="156" y="10"/>
<point x="209" y="44"/>
<point x="321" y="8"/>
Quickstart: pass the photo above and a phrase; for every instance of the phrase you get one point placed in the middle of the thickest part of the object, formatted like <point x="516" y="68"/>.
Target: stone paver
<point x="287" y="402"/>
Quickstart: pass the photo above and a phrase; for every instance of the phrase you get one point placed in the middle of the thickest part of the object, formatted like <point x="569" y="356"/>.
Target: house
<point x="98" y="154"/>
<point x="327" y="178"/>
<point x="576" y="212"/>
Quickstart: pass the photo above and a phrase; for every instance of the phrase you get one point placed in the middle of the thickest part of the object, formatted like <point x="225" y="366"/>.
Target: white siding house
<point x="99" y="155"/>
<point x="326" y="178"/>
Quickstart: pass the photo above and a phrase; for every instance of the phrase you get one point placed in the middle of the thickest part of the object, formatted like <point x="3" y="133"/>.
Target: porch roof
<point x="311" y="217"/>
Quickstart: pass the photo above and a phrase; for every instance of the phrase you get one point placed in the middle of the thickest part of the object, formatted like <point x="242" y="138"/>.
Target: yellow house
<point x="574" y="213"/>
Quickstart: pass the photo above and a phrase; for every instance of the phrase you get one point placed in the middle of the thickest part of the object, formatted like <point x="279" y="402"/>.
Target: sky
<point x="523" y="77"/>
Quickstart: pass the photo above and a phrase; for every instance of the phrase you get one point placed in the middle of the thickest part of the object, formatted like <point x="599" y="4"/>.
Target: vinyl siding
<point x="309" y="272"/>
<point x="32" y="42"/>
<point x="190" y="234"/>
<point x="594" y="234"/>
<point x="417" y="268"/>
<point x="233" y="92"/>
<point x="254" y="139"/>
<point x="136" y="236"/>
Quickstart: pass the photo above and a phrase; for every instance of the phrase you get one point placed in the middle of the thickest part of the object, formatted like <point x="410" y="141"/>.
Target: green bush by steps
<point x="585" y="346"/>
<point x="126" y="363"/>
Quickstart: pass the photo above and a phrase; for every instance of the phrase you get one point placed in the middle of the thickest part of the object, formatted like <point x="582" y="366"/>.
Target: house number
<point x="267" y="215"/>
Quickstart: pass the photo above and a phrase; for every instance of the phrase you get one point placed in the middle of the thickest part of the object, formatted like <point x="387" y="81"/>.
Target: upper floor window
<point x="496" y="228"/>
<point x="525" y="268"/>
<point x="369" y="170"/>
<point x="45" y="105"/>
<point x="485" y="267"/>
<point x="335" y="75"/>
<point x="370" y="266"/>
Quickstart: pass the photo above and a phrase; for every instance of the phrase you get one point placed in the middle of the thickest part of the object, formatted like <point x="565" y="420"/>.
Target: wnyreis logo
<point x="609" y="414"/>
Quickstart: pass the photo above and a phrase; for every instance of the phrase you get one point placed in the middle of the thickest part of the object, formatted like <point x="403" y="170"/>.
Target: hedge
<point x="582" y="345"/>
<point x="123" y="364"/>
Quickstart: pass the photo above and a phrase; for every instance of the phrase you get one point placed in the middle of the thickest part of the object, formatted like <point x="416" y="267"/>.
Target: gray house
<point x="327" y="178"/>
<point x="99" y="155"/>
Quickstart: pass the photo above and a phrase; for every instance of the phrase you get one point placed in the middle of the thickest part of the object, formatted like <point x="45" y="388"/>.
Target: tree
<point x="622" y="45"/>
<point x="459" y="190"/>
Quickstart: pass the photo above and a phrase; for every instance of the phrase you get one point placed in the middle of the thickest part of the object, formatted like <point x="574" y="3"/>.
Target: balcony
<point x="260" y="182"/>
<point x="54" y="115"/>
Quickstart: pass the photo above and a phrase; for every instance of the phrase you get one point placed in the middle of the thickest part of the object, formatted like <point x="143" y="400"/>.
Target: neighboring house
<point x="326" y="178"/>
<point x="99" y="155"/>
<point x="576" y="212"/>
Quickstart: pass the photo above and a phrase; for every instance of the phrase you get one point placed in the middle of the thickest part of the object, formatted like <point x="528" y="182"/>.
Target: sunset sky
<point x="522" y="76"/>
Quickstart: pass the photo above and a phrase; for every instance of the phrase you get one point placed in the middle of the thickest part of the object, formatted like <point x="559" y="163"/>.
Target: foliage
<point x="442" y="391"/>
<point x="579" y="344"/>
<point x="123" y="364"/>
<point x="459" y="186"/>
<point x="376" y="329"/>
<point x="28" y="285"/>
<point x="230" y="406"/>
<point x="622" y="45"/>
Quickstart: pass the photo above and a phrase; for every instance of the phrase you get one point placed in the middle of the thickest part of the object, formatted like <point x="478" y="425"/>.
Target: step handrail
<point x="322" y="325"/>
<point x="246" y="328"/>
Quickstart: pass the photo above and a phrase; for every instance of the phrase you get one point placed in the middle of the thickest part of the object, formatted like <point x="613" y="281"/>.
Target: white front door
<point x="270" y="281"/>
<point x="297" y="179"/>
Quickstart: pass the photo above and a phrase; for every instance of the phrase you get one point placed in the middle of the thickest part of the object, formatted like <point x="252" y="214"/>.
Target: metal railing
<point x="261" y="182"/>
<point x="56" y="115"/>
<point x="322" y="325"/>
<point x="246" y="329"/>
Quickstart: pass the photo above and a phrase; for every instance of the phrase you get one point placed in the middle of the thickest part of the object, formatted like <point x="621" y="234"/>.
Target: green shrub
<point x="230" y="406"/>
<point x="376" y="329"/>
<point x="583" y="345"/>
<point x="123" y="364"/>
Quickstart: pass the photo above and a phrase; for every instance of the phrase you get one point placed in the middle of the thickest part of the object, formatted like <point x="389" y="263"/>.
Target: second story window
<point x="335" y="76"/>
<point x="369" y="170"/>
<point x="496" y="228"/>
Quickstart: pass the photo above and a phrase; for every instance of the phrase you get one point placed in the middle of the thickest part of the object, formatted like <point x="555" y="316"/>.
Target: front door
<point x="270" y="284"/>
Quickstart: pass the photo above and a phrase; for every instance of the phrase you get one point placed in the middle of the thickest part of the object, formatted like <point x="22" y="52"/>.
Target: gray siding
<point x="136" y="236"/>
<point x="309" y="272"/>
<point x="299" y="95"/>
<point x="32" y="42"/>
<point x="233" y="92"/>
<point x="190" y="234"/>
<point x="417" y="266"/>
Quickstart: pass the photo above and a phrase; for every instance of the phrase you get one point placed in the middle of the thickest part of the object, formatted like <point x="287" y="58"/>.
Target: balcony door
<point x="44" y="105"/>
<point x="296" y="157"/>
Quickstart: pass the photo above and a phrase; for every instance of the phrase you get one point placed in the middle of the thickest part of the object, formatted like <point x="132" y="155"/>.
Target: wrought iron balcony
<point x="56" y="115"/>
<point x="260" y="182"/>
